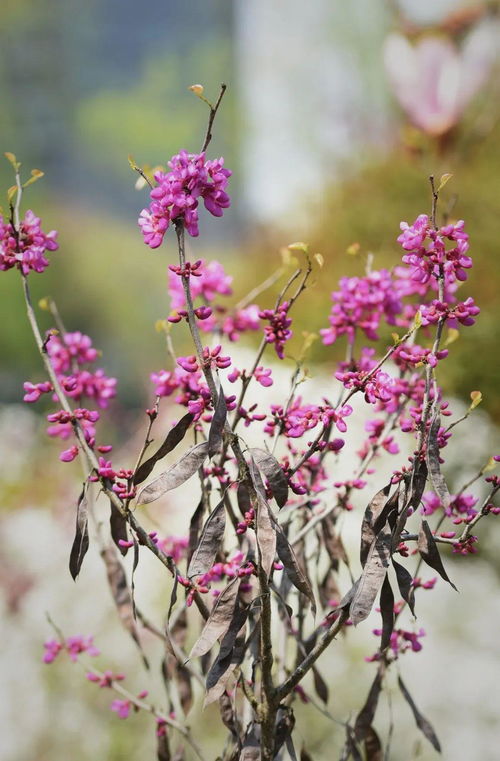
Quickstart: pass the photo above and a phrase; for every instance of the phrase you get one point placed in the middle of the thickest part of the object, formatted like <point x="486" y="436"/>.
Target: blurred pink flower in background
<point x="434" y="79"/>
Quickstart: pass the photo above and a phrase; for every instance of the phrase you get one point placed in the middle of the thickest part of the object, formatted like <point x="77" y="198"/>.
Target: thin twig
<point x="143" y="175"/>
<point x="213" y="112"/>
<point x="260" y="351"/>
<point x="270" y="281"/>
<point x="310" y="659"/>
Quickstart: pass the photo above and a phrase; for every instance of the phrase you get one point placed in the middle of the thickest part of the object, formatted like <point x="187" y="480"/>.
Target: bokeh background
<point x="332" y="126"/>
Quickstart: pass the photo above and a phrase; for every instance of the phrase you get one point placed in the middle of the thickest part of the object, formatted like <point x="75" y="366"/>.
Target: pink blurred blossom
<point x="434" y="80"/>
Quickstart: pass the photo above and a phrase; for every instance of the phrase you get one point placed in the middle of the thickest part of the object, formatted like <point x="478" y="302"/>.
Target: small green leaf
<point x="12" y="160"/>
<point x="36" y="174"/>
<point x="11" y="193"/>
<point x="161" y="326"/>
<point x="309" y="339"/>
<point x="452" y="336"/>
<point x="299" y="246"/>
<point x="197" y="89"/>
<point x="287" y="259"/>
<point x="490" y="465"/>
<point x="445" y="178"/>
<point x="477" y="398"/>
<point x="320" y="260"/>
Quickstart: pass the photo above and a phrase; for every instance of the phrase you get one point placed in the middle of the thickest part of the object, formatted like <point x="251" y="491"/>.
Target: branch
<point x="481" y="514"/>
<point x="213" y="112"/>
<point x="195" y="334"/>
<point x="260" y="351"/>
<point x="269" y="705"/>
<point x="267" y="283"/>
<point x="144" y="706"/>
<point x="89" y="453"/>
<point x="309" y="661"/>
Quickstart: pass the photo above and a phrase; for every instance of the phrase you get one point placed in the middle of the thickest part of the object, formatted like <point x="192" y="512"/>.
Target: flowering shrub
<point x="263" y="549"/>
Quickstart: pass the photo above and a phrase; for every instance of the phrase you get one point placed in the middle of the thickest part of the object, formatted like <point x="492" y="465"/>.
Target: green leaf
<point x="36" y="174"/>
<point x="477" y="398"/>
<point x="299" y="246"/>
<point x="445" y="178"/>
<point x="319" y="259"/>
<point x="11" y="158"/>
<point x="353" y="249"/>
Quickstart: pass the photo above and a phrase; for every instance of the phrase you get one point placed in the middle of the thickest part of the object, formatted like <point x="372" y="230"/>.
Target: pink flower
<point x="165" y="382"/>
<point x="153" y="225"/>
<point x="25" y="251"/>
<point x="427" y="254"/>
<point x="121" y="708"/>
<point x="189" y="364"/>
<point x="434" y="80"/>
<point x="234" y="375"/>
<point x="241" y="321"/>
<point x="83" y="383"/>
<point x="73" y="347"/>
<point x="178" y="192"/>
<point x="105" y="469"/>
<point x="52" y="650"/>
<point x="68" y="455"/>
<point x="34" y="391"/>
<point x="79" y="644"/>
<point x="210" y="280"/>
<point x="174" y="546"/>
<point x="106" y="680"/>
<point x="73" y="646"/>
<point x="360" y="304"/>
<point x="278" y="331"/>
<point x="214" y="358"/>
<point x="263" y="376"/>
<point x="337" y="416"/>
<point x="408" y="355"/>
<point x="463" y="313"/>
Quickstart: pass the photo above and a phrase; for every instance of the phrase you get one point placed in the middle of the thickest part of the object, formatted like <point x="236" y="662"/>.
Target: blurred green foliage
<point x="157" y="115"/>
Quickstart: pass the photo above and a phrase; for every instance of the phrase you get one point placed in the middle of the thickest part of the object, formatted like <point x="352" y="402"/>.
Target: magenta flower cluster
<point x="361" y="304"/>
<point x="193" y="392"/>
<point x="26" y="249"/>
<point x="300" y="418"/>
<point x="208" y="280"/>
<point x="69" y="355"/>
<point x="278" y="331"/>
<point x="177" y="195"/>
<point x="401" y="641"/>
<point x="428" y="252"/>
<point x="236" y="566"/>
<point x="73" y="646"/>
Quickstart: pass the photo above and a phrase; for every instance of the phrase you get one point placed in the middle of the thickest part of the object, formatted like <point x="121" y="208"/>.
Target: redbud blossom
<point x="25" y="250"/>
<point x="69" y="454"/>
<point x="176" y="197"/>
<point x="278" y="332"/>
